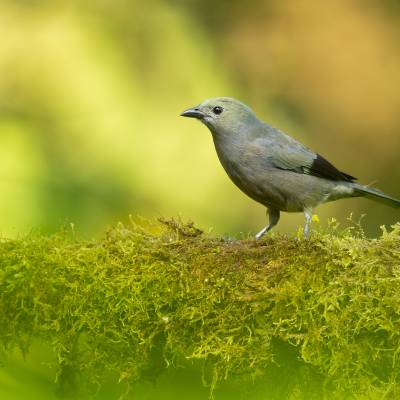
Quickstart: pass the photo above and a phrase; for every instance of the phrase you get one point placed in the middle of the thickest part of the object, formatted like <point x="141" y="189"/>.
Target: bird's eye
<point x="217" y="110"/>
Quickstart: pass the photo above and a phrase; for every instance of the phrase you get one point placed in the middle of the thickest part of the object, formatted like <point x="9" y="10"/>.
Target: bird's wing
<point x="284" y="152"/>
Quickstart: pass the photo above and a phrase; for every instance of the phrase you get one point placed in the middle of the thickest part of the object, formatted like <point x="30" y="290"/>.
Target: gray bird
<point x="273" y="168"/>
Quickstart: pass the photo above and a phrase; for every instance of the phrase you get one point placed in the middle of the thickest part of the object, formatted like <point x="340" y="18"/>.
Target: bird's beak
<point x="193" y="113"/>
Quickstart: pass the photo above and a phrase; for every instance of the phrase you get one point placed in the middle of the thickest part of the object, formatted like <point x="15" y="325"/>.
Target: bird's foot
<point x="308" y="213"/>
<point x="261" y="233"/>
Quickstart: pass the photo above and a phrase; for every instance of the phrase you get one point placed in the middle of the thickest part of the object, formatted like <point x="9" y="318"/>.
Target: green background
<point x="91" y="92"/>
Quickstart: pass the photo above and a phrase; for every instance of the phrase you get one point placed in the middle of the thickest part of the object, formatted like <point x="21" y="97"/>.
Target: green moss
<point x="144" y="299"/>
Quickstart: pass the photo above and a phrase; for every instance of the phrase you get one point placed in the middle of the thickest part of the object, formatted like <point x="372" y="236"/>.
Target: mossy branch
<point x="143" y="299"/>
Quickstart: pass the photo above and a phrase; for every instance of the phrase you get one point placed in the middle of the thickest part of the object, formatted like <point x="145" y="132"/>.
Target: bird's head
<point x="222" y="114"/>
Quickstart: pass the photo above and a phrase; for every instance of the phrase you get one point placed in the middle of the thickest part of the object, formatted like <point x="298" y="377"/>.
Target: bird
<point x="273" y="168"/>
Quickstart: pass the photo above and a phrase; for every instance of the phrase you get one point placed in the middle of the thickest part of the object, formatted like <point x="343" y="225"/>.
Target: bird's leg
<point x="308" y="213"/>
<point x="273" y="215"/>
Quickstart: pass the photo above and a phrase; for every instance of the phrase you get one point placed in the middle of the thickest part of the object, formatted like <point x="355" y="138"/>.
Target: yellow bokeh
<point x="91" y="93"/>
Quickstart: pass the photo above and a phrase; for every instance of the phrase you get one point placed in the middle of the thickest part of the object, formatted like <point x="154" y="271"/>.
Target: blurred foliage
<point x="91" y="92"/>
<point x="314" y="318"/>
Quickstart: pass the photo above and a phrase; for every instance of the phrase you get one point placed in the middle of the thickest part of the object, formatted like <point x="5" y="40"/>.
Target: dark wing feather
<point x="284" y="152"/>
<point x="324" y="169"/>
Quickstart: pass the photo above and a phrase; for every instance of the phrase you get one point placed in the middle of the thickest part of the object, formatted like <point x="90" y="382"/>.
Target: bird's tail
<point x="377" y="195"/>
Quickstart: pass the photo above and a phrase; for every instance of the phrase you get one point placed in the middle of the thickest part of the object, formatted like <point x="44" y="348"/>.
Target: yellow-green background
<point x="91" y="91"/>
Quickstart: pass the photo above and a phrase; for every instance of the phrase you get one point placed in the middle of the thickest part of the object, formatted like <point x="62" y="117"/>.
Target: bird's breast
<point x="250" y="171"/>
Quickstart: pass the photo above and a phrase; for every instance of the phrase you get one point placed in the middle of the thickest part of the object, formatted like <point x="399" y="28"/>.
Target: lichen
<point x="144" y="298"/>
